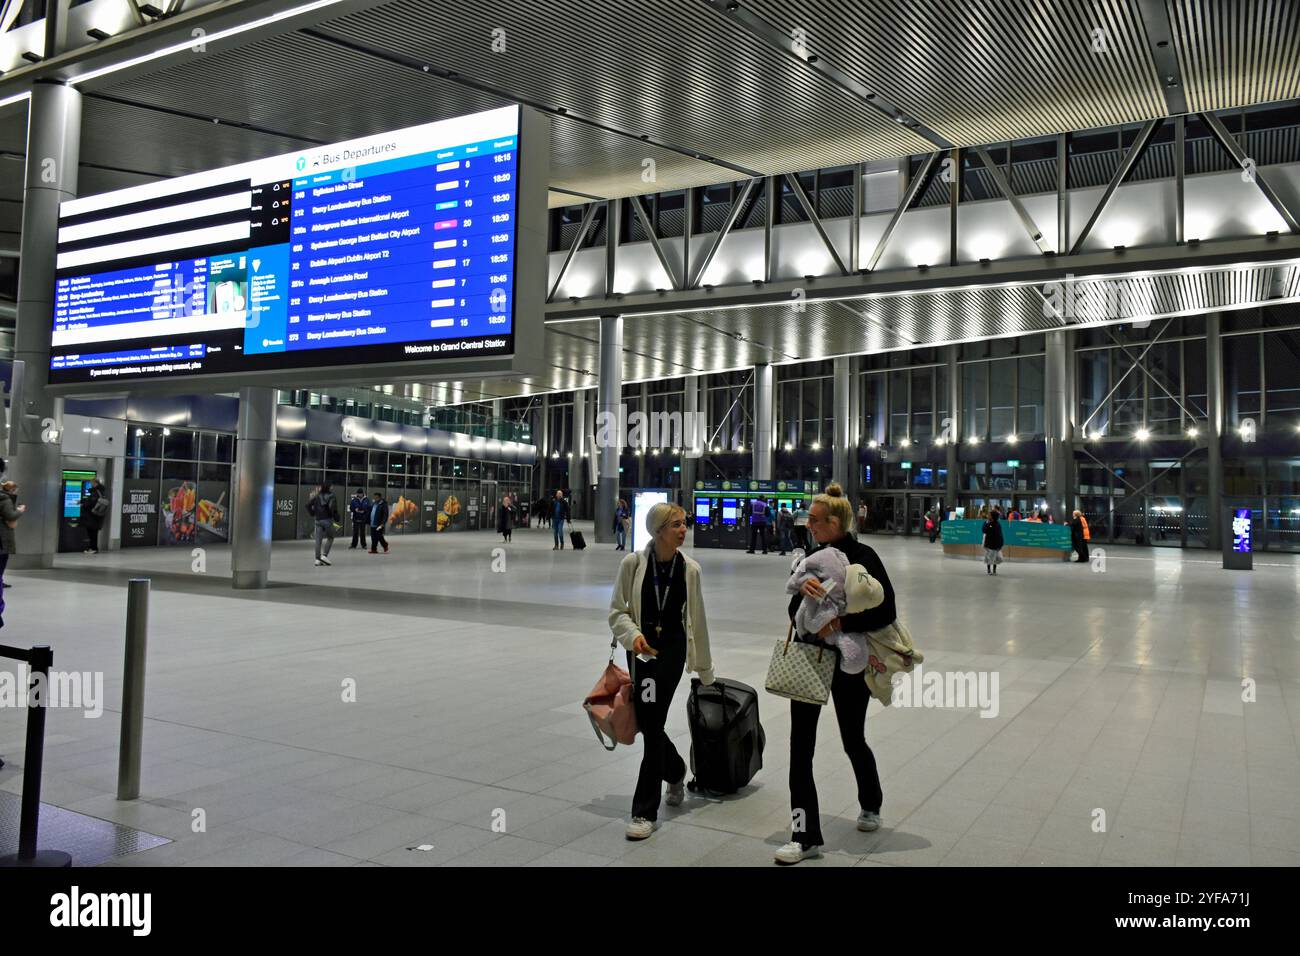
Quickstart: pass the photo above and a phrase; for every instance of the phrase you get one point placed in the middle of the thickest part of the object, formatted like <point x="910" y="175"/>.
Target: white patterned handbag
<point x="801" y="671"/>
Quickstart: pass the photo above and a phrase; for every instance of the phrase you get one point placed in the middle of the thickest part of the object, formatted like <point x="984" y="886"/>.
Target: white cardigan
<point x="625" y="612"/>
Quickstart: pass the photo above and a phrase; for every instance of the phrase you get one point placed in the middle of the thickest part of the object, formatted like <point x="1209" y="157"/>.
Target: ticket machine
<point x="76" y="484"/>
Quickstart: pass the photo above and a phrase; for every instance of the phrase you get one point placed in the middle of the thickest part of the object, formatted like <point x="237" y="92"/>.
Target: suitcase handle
<point x="695" y="695"/>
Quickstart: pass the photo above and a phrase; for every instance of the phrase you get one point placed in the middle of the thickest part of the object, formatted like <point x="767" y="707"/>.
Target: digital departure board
<point x="394" y="250"/>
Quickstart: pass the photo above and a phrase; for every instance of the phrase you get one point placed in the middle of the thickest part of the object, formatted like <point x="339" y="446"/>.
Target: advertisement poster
<point x="430" y="511"/>
<point x="284" y="510"/>
<point x="179" y="520"/>
<point x="450" y="511"/>
<point x="139" y="512"/>
<point x="212" y="512"/>
<point x="404" y="513"/>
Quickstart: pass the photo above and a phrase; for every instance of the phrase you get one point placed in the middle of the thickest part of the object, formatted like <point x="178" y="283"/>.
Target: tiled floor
<point x="1122" y="736"/>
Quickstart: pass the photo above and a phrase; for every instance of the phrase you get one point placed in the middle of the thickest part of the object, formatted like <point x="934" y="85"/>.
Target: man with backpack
<point x="95" y="505"/>
<point x="324" y="507"/>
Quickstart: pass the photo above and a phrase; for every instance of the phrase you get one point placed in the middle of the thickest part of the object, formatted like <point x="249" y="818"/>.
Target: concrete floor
<point x="1120" y="692"/>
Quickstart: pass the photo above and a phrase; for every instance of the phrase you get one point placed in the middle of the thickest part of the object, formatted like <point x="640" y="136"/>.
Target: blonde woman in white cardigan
<point x="657" y="614"/>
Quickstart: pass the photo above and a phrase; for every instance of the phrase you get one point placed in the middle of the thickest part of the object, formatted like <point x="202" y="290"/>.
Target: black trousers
<point x="377" y="538"/>
<point x="660" y="763"/>
<point x="758" y="531"/>
<point x="850" y="696"/>
<point x="92" y="537"/>
<point x="358" y="533"/>
<point x="1082" y="547"/>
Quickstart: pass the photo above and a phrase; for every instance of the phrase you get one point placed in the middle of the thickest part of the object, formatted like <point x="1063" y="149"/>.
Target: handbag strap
<point x="599" y="735"/>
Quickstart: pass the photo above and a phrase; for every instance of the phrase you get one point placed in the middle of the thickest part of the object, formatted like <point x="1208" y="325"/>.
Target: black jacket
<point x="993" y="534"/>
<point x="88" y="517"/>
<point x="883" y="614"/>
<point x="381" y="517"/>
<point x="505" y="519"/>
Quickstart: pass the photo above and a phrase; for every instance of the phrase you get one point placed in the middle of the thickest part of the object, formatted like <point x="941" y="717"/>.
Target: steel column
<point x="613" y="233"/>
<point x="764" y="431"/>
<point x="53" y="149"/>
<point x="250" y="551"/>
<point x="953" y="446"/>
<point x="609" y="425"/>
<point x="1057" y="363"/>
<point x="1214" y="425"/>
<point x="842" y="441"/>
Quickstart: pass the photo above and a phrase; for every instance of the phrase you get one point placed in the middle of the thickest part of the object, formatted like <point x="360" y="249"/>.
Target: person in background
<point x="801" y="525"/>
<point x="324" y="507"/>
<point x="92" y="515"/>
<point x="830" y="523"/>
<point x="621" y="516"/>
<point x="1014" y="516"/>
<point x="378" y="520"/>
<point x="932" y="524"/>
<point x="657" y="614"/>
<point x="992" y="542"/>
<point x="505" y="518"/>
<point x="784" y="529"/>
<point x="10" y="512"/>
<point x="758" y="514"/>
<point x="359" y="511"/>
<point x="862" y="515"/>
<point x="559" y="514"/>
<point x="1079" y="535"/>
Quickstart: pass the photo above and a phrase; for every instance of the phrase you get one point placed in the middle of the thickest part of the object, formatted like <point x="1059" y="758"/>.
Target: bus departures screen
<point x="398" y="247"/>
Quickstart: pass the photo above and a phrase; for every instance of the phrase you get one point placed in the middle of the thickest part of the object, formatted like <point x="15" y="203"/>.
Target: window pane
<point x="1241" y="378"/>
<point x="1001" y="400"/>
<point x="1031" y="396"/>
<point x="143" y="442"/>
<point x="313" y="455"/>
<point x="1093" y="383"/>
<point x="922" y="404"/>
<point x="179" y="444"/>
<point x="975" y="400"/>
<point x="898" y="392"/>
<point x="1282" y="375"/>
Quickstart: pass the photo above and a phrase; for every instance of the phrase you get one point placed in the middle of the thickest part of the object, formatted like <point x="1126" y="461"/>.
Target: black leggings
<point x="850" y="696"/>
<point x="660" y="763"/>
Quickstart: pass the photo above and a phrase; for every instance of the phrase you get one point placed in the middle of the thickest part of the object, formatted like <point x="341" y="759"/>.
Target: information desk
<point x="1021" y="539"/>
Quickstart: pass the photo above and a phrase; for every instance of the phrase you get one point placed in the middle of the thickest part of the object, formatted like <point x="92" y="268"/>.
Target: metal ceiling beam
<point x="1160" y="37"/>
<point x="613" y="234"/>
<point x="782" y="40"/>
<point x="876" y="322"/>
<point x="1125" y="168"/>
<point x="1004" y="186"/>
<point x="769" y="227"/>
<point x="1037" y="269"/>
<point x="914" y="188"/>
<point x="1229" y="142"/>
<point x="730" y="221"/>
<point x="801" y="195"/>
<point x="638" y="208"/>
<point x="587" y="217"/>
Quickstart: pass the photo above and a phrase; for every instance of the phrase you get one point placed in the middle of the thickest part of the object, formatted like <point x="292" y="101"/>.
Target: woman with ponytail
<point x="830" y="524"/>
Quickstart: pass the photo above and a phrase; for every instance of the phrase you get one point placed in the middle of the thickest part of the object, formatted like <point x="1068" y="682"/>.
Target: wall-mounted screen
<point x="701" y="510"/>
<point x="391" y="250"/>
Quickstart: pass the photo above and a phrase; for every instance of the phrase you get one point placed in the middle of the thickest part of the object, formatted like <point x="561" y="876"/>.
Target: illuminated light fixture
<point x="873" y="444"/>
<point x="167" y="431"/>
<point x="86" y="430"/>
<point x="139" y="431"/>
<point x="97" y="34"/>
<point x="985" y="262"/>
<point x="1193" y="242"/>
<point x="31" y="57"/>
<point x="188" y="43"/>
<point x="95" y="431"/>
<point x="973" y="440"/>
<point x="1142" y="434"/>
<point x="1192" y="432"/>
<point x="638" y="452"/>
<point x="716" y="450"/>
<point x="654" y="451"/>
<point x="677" y="451"/>
<point x="923" y="266"/>
<point x="149" y="10"/>
<point x="939" y="441"/>
<point x="789" y="447"/>
<point x="1119" y="248"/>
<point x="569" y="455"/>
<point x="817" y="446"/>
<point x="740" y="449"/>
<point x="1011" y="439"/>
<point x="906" y="443"/>
<point x="1271" y="234"/>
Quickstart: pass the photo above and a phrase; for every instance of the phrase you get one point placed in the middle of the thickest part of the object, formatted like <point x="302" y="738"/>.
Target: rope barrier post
<point x="137" y="633"/>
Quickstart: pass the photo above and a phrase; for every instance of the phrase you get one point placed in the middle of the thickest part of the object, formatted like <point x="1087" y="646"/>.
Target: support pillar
<point x="1214" y="426"/>
<point x="578" y="463"/>
<point x="250" y="540"/>
<point x="1057" y="371"/>
<point x="764" y="412"/>
<point x="841" y="468"/>
<point x="543" y="451"/>
<point x="693" y="439"/>
<point x="609" y="431"/>
<point x="952" y="447"/>
<point x="53" y="151"/>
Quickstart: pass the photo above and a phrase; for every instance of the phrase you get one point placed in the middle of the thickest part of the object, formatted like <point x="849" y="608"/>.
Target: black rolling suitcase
<point x="726" y="738"/>
<point x="577" y="540"/>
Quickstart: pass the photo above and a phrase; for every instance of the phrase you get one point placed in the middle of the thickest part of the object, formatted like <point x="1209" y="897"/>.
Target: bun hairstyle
<point x="837" y="506"/>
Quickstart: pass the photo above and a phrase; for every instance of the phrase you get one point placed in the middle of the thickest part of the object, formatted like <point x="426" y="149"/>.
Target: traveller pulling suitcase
<point x="577" y="540"/>
<point x="727" y="739"/>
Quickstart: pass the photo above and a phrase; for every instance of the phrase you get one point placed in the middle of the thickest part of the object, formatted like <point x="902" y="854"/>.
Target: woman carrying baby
<point x="830" y="523"/>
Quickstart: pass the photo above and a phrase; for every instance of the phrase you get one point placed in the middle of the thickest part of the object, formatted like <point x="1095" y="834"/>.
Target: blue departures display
<point x="414" y="255"/>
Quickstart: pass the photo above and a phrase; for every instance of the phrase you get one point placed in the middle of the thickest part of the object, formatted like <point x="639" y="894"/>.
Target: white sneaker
<point x="319" y="562"/>
<point x="676" y="793"/>
<point x="868" y="822"/>
<point x="793" y="853"/>
<point x="325" y="561"/>
<point x="640" y="828"/>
